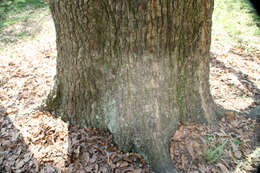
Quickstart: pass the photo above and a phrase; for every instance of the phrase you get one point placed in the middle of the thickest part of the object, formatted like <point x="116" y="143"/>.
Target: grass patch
<point x="9" y="10"/>
<point x="19" y="18"/>
<point x="214" y="152"/>
<point x="240" y="21"/>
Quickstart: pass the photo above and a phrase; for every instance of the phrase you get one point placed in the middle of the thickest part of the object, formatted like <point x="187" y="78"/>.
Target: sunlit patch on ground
<point x="27" y="71"/>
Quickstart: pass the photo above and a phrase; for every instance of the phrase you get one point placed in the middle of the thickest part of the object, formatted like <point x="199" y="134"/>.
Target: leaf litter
<point x="32" y="141"/>
<point x="224" y="147"/>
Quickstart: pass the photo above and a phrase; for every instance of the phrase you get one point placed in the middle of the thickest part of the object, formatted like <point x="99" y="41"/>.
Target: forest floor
<point x="34" y="141"/>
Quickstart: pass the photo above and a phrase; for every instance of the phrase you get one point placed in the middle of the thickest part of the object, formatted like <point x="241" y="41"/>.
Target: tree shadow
<point x="245" y="81"/>
<point x="15" y="155"/>
<point x="251" y="111"/>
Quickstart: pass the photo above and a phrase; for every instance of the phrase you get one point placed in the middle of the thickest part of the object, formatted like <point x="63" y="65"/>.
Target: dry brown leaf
<point x="93" y="159"/>
<point x="138" y="157"/>
<point x="2" y="111"/>
<point x="19" y="164"/>
<point x="196" y="149"/>
<point x="85" y="156"/>
<point x="234" y="147"/>
<point x="223" y="168"/>
<point x="213" y="170"/>
<point x="1" y="148"/>
<point x="235" y="123"/>
<point x="104" y="169"/>
<point x="172" y="151"/>
<point x="238" y="154"/>
<point x="27" y="156"/>
<point x="138" y="171"/>
<point x="231" y="155"/>
<point x="184" y="162"/>
<point x="89" y="168"/>
<point x="77" y="151"/>
<point x="15" y="136"/>
<point x="178" y="134"/>
<point x="202" y="168"/>
<point x="128" y="169"/>
<point x="230" y="116"/>
<point x="122" y="164"/>
<point x="11" y="63"/>
<point x="190" y="149"/>
<point x="11" y="111"/>
<point x="112" y="165"/>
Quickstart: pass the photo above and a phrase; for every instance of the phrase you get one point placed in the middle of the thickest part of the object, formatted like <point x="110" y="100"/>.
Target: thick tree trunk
<point x="135" y="68"/>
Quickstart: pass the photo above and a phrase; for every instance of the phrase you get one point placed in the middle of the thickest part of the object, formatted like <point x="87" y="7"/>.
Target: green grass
<point x="214" y="153"/>
<point x="11" y="10"/>
<point x="215" y="148"/>
<point x="239" y="21"/>
<point x="16" y="19"/>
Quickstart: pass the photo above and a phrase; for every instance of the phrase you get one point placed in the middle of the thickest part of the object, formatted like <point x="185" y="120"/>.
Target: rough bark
<point x="135" y="68"/>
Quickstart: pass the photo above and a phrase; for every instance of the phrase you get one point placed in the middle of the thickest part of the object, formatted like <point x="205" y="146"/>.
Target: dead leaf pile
<point x="43" y="143"/>
<point x="14" y="153"/>
<point x="225" y="147"/>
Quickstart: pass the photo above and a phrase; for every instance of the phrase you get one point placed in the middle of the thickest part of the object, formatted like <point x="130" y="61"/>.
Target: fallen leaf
<point x="19" y="164"/>
<point x="93" y="159"/>
<point x="11" y="63"/>
<point x="178" y="134"/>
<point x="27" y="156"/>
<point x="172" y="151"/>
<point x="238" y="154"/>
<point x="122" y="164"/>
<point x="138" y="171"/>
<point x="223" y="168"/>
<point x="230" y="116"/>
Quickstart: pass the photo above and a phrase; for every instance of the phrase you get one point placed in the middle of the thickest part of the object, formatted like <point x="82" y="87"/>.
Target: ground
<point x="34" y="141"/>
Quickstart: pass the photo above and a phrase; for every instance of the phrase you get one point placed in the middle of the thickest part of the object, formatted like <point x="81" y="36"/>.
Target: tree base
<point x="52" y="101"/>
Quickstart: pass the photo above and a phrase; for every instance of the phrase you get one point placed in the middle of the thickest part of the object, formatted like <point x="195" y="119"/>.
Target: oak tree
<point x="135" y="68"/>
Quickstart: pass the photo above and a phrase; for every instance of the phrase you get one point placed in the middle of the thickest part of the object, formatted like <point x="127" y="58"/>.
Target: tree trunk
<point x="135" y="68"/>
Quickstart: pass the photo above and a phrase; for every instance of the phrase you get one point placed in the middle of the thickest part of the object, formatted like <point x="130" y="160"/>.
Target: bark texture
<point x="135" y="68"/>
